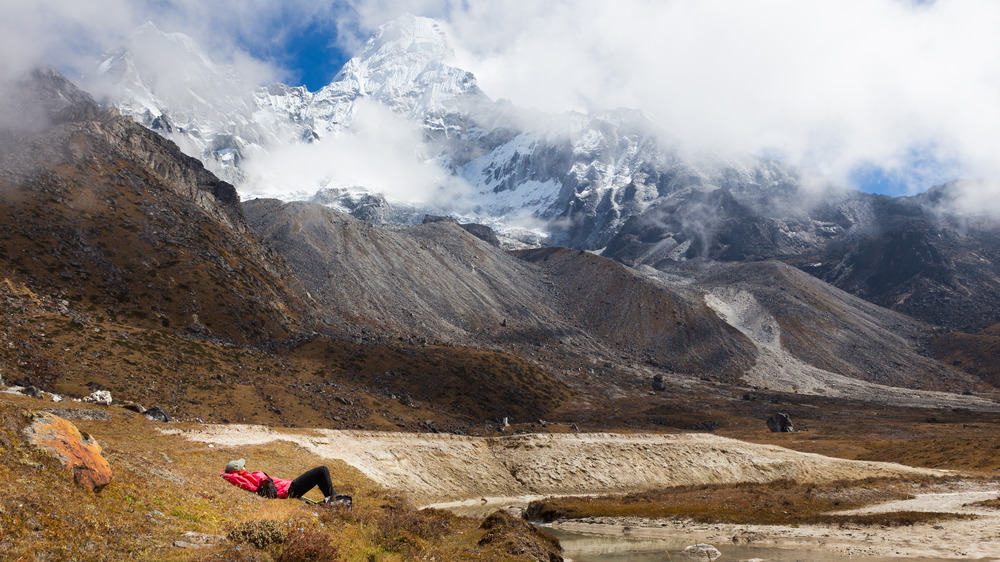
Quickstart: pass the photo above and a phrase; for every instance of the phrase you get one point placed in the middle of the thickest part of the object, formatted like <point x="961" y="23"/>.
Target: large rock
<point x="157" y="414"/>
<point x="702" y="551"/>
<point x="79" y="453"/>
<point x="780" y="423"/>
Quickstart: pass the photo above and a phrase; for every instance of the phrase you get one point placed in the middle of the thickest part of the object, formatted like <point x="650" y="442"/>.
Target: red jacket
<point x="251" y="481"/>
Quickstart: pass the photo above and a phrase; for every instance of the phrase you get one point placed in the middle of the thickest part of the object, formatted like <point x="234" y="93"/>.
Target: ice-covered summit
<point x="404" y="65"/>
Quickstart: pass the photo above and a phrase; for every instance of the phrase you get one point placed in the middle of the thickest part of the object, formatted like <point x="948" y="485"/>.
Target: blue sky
<point x="310" y="51"/>
<point x="890" y="96"/>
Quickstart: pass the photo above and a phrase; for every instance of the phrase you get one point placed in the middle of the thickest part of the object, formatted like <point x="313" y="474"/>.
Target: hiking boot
<point x="340" y="500"/>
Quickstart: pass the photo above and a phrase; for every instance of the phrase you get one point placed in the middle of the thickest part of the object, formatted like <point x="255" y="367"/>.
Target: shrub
<point x="304" y="545"/>
<point x="518" y="538"/>
<point x="260" y="533"/>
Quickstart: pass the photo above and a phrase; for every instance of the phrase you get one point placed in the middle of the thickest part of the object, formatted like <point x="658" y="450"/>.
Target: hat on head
<point x="233" y="466"/>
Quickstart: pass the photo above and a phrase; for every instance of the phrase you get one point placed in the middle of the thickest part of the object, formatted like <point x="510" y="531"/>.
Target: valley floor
<point x="466" y="473"/>
<point x="972" y="539"/>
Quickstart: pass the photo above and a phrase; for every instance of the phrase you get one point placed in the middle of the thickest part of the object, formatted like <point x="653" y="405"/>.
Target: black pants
<point x="319" y="476"/>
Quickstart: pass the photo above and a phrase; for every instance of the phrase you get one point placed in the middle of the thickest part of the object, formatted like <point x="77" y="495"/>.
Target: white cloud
<point x="832" y="85"/>
<point x="829" y="84"/>
<point x="380" y="151"/>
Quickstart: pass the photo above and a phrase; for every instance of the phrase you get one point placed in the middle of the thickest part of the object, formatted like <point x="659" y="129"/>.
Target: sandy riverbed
<point x="459" y="471"/>
<point x="977" y="539"/>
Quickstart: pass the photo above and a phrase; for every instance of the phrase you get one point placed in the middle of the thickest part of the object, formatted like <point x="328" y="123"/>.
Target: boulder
<point x="99" y="397"/>
<point x="137" y="408"/>
<point x="658" y="384"/>
<point x="780" y="423"/>
<point x="702" y="551"/>
<point x="157" y="414"/>
<point x="32" y="391"/>
<point x="78" y="452"/>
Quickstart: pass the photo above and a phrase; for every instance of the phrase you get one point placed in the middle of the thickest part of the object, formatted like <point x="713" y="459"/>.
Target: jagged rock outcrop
<point x="780" y="423"/>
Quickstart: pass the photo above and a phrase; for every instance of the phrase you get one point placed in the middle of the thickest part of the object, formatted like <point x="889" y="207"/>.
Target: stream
<point x="594" y="547"/>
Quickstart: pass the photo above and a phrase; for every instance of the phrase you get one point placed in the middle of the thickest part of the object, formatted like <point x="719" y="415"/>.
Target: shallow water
<point x="592" y="547"/>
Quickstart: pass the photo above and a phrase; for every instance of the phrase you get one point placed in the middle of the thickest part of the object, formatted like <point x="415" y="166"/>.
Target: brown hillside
<point x="101" y="212"/>
<point x="664" y="325"/>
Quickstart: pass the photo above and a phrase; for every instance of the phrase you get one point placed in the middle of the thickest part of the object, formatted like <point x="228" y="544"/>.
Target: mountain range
<point x="628" y="280"/>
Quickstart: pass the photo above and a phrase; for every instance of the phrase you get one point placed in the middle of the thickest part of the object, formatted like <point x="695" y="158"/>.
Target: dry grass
<point x="989" y="504"/>
<point x="321" y="383"/>
<point x="165" y="486"/>
<point x="777" y="503"/>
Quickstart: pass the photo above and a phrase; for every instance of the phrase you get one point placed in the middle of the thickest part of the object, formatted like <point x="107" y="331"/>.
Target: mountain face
<point x="102" y="211"/>
<point x="610" y="181"/>
<point x="600" y="324"/>
<point x="582" y="175"/>
<point x="305" y="313"/>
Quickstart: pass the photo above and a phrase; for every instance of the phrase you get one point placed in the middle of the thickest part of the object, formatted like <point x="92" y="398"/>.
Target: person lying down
<point x="268" y="487"/>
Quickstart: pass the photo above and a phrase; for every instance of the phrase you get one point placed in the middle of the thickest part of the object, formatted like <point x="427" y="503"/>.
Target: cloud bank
<point x="837" y="86"/>
<point x="379" y="151"/>
<point x="900" y="93"/>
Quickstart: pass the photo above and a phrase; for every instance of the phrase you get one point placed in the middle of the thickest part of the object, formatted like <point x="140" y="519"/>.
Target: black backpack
<point x="267" y="489"/>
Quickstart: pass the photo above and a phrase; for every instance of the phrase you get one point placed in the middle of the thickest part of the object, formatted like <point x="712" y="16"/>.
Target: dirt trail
<point x="436" y="468"/>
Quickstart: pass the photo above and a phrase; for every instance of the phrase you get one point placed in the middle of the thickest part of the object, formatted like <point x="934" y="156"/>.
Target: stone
<point x="78" y="452"/>
<point x="32" y="391"/>
<point x="157" y="414"/>
<point x="780" y="423"/>
<point x="98" y="397"/>
<point x="192" y="539"/>
<point x="80" y="414"/>
<point x="658" y="384"/>
<point x="702" y="551"/>
<point x="137" y="408"/>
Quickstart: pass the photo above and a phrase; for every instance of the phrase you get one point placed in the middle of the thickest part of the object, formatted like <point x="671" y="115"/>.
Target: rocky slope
<point x="105" y="213"/>
<point x="372" y="326"/>
<point x="589" y="181"/>
<point x="567" y="309"/>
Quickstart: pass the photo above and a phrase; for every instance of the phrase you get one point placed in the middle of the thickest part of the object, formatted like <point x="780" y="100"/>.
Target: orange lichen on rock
<point x="78" y="452"/>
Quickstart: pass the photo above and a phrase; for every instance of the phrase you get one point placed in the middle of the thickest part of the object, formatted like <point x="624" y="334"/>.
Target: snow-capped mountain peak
<point x="157" y="70"/>
<point x="400" y="120"/>
<point x="405" y="66"/>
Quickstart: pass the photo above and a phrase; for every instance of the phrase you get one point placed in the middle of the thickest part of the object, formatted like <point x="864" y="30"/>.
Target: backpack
<point x="267" y="489"/>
